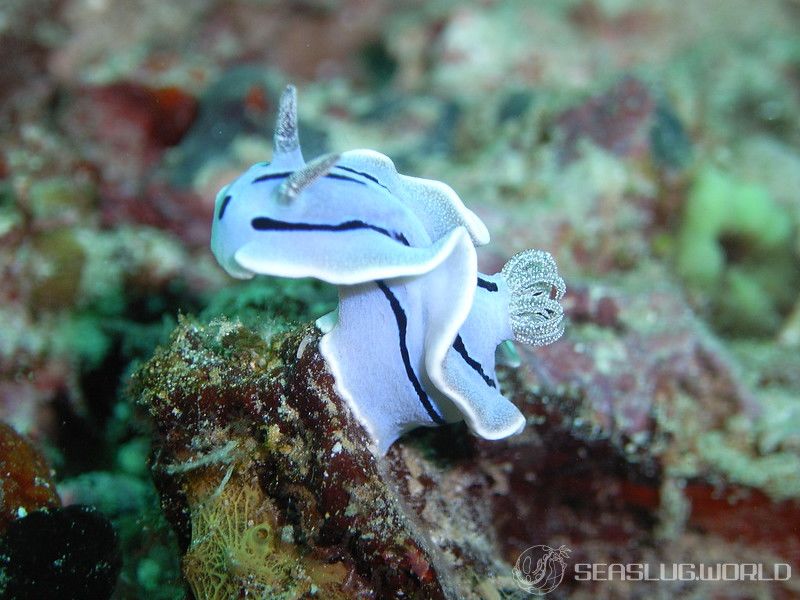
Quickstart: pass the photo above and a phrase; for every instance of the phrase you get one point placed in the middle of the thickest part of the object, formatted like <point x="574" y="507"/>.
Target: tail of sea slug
<point x="536" y="287"/>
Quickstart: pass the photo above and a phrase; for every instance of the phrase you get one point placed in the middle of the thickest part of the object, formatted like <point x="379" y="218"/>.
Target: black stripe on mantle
<point x="402" y="327"/>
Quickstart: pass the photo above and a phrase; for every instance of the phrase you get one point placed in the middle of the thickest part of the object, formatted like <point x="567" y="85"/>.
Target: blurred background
<point x="652" y="146"/>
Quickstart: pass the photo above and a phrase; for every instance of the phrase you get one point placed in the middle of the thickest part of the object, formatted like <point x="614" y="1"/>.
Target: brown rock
<point x="25" y="478"/>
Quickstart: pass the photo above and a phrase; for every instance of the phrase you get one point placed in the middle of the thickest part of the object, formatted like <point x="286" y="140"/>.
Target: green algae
<point x="59" y="266"/>
<point x="10" y="216"/>
<point x="778" y="428"/>
<point x="735" y="247"/>
<point x="268" y="298"/>
<point x="776" y="473"/>
<point x="83" y="337"/>
<point x="58" y="197"/>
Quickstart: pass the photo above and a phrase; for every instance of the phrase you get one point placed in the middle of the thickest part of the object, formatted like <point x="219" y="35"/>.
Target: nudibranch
<point x="413" y="340"/>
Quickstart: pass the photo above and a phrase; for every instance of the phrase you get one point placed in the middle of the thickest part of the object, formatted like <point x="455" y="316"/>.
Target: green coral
<point x="735" y="247"/>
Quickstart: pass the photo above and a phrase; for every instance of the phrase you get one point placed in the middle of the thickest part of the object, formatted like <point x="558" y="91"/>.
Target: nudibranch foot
<point x="486" y="411"/>
<point x="467" y="375"/>
<point x="385" y="333"/>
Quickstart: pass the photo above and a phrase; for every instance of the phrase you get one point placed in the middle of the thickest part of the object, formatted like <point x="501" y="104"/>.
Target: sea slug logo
<point x="539" y="569"/>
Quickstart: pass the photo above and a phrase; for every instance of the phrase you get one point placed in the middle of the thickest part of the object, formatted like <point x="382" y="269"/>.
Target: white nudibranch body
<point x="414" y="338"/>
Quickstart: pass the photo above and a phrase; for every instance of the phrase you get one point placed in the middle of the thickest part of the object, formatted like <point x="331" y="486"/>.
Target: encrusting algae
<point x="238" y="548"/>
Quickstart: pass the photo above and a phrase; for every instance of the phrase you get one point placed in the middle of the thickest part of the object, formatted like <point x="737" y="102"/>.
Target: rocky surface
<point x="256" y="457"/>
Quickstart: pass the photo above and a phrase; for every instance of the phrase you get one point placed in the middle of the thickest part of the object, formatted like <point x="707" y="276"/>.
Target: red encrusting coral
<point x="26" y="481"/>
<point x="125" y="126"/>
<point x="618" y="120"/>
<point x="179" y="211"/>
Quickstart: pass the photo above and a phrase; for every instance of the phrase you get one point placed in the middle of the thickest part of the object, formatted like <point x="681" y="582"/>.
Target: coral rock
<point x="257" y="458"/>
<point x="265" y="474"/>
<point x="26" y="484"/>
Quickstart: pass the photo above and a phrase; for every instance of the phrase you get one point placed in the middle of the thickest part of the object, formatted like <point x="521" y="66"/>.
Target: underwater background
<point x="164" y="435"/>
